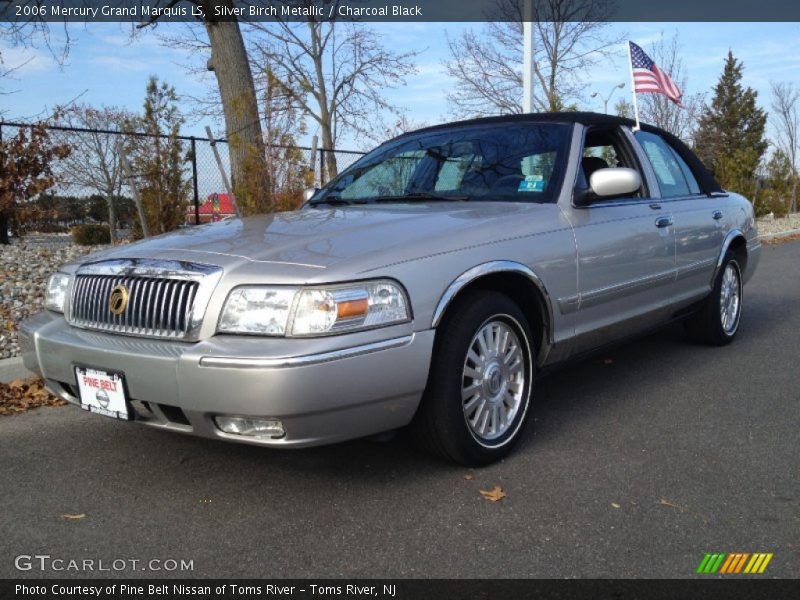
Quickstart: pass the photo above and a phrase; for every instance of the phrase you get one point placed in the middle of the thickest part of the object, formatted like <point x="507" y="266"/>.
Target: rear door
<point x="698" y="219"/>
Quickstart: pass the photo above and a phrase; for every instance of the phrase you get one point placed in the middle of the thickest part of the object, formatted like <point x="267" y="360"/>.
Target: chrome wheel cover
<point x="493" y="380"/>
<point x="730" y="299"/>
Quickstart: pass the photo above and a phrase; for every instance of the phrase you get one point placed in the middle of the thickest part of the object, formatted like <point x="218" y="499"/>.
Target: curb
<point x="12" y="368"/>
<point x="780" y="234"/>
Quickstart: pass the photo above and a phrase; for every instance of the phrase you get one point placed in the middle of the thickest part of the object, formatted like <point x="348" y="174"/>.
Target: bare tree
<point x="6" y="72"/>
<point x="94" y="163"/>
<point x="402" y="124"/>
<point x="784" y="104"/>
<point x="569" y="39"/>
<point x="33" y="31"/>
<point x="288" y="169"/>
<point x="230" y="64"/>
<point x="336" y="72"/>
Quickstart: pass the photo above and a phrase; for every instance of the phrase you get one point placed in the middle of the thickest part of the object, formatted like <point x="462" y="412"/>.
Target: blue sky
<point x="106" y="68"/>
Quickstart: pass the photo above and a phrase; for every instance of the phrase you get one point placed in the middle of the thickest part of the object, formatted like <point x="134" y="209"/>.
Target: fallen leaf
<point x="469" y="476"/>
<point x="494" y="495"/>
<point x="665" y="502"/>
<point x="615" y="505"/>
<point x="23" y="394"/>
<point x="74" y="517"/>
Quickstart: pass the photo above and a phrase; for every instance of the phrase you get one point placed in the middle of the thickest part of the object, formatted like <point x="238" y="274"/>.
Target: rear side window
<point x="674" y="176"/>
<point x="694" y="187"/>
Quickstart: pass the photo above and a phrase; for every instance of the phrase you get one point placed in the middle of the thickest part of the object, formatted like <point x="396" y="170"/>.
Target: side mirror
<point x="308" y="193"/>
<point x="608" y="183"/>
<point x="619" y="181"/>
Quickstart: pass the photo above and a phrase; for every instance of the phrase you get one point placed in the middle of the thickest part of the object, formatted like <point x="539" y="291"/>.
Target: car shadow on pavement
<point x="584" y="387"/>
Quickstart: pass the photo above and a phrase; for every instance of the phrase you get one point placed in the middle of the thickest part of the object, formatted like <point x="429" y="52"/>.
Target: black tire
<point x="708" y="325"/>
<point x="441" y="426"/>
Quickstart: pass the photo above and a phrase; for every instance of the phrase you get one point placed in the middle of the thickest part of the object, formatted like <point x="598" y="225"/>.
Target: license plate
<point x="102" y="392"/>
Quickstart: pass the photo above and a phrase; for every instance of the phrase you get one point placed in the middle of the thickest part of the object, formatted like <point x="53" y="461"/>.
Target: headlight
<point x="56" y="295"/>
<point x="257" y="310"/>
<point x="297" y="311"/>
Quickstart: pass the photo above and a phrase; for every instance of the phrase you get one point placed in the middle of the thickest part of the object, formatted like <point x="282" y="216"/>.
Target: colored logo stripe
<point x="710" y="563"/>
<point x="734" y="562"/>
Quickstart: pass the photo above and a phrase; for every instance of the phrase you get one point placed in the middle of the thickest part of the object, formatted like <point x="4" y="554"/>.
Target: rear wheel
<point x="717" y="320"/>
<point x="479" y="388"/>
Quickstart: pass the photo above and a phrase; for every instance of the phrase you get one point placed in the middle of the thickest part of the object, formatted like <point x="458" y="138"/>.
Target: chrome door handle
<point x="717" y="215"/>
<point x="662" y="222"/>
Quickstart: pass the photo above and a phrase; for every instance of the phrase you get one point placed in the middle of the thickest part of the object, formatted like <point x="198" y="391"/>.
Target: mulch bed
<point x="22" y="395"/>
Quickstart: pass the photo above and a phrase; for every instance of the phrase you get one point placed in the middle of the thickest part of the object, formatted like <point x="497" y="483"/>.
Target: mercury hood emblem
<point x="118" y="300"/>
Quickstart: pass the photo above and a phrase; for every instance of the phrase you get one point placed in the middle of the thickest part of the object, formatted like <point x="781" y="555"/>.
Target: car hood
<point x="312" y="240"/>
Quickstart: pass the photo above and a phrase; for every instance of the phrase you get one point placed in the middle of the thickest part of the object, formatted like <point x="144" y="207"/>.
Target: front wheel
<point x="717" y="320"/>
<point x="479" y="388"/>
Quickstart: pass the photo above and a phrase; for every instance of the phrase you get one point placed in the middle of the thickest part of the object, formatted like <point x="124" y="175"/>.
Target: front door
<point x="626" y="250"/>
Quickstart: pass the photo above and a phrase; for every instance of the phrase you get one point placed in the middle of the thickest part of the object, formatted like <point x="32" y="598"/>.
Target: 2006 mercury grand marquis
<point x="427" y="284"/>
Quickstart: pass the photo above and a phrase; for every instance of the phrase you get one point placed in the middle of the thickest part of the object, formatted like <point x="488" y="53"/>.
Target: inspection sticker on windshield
<point x="531" y="183"/>
<point x="102" y="392"/>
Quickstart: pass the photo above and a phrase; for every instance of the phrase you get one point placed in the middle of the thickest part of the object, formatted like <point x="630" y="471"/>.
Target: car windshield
<point x="508" y="162"/>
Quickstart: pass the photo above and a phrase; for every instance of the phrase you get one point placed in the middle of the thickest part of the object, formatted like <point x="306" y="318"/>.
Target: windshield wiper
<point x="332" y="201"/>
<point x="421" y="197"/>
<point x="410" y="197"/>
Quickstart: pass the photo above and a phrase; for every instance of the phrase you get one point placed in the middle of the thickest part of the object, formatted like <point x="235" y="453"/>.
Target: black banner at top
<point x="142" y="11"/>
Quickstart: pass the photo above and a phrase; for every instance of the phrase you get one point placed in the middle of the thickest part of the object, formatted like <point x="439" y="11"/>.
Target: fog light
<point x="258" y="428"/>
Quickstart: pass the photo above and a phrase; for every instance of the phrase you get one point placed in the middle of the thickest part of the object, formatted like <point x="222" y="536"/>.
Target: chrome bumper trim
<point x="230" y="362"/>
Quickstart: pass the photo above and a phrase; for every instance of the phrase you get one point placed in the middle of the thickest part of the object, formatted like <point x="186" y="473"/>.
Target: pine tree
<point x="160" y="160"/>
<point x="779" y="179"/>
<point x="730" y="139"/>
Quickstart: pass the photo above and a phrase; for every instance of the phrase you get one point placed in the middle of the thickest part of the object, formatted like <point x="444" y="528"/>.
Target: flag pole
<point x="633" y="88"/>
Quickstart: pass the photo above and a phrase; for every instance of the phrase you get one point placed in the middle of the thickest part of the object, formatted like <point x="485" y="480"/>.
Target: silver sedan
<point x="427" y="285"/>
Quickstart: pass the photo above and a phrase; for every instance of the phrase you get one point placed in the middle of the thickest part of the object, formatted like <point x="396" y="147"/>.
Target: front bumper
<point x="324" y="390"/>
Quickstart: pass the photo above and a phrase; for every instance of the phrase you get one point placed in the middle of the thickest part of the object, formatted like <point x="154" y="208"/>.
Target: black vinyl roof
<point x="704" y="177"/>
<point x="585" y="118"/>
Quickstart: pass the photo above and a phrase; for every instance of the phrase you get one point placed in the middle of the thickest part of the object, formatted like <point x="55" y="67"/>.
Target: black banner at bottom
<point x="401" y="589"/>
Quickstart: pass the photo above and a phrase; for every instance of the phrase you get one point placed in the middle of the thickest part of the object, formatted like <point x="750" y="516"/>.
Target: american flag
<point x="649" y="78"/>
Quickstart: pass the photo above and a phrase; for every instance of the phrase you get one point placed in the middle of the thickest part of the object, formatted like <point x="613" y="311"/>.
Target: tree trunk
<point x="330" y="168"/>
<point x="112" y="217"/>
<point x="4" y="223"/>
<point x="242" y="125"/>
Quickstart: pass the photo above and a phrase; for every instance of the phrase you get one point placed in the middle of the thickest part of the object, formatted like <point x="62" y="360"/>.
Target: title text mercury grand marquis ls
<point x="427" y="284"/>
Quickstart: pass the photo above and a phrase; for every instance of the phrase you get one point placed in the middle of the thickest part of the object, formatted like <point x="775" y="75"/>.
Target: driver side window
<point x="603" y="149"/>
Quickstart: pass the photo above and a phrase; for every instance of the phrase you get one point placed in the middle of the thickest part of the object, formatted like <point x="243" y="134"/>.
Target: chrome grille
<point x="156" y="307"/>
<point x="166" y="299"/>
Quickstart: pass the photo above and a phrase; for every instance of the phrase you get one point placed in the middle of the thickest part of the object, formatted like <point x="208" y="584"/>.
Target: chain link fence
<point x="93" y="172"/>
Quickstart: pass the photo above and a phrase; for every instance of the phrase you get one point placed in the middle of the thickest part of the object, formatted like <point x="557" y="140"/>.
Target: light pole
<point x="619" y="86"/>
<point x="527" y="57"/>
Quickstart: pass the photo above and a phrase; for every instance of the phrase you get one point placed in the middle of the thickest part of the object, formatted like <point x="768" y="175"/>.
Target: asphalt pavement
<point x="637" y="462"/>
